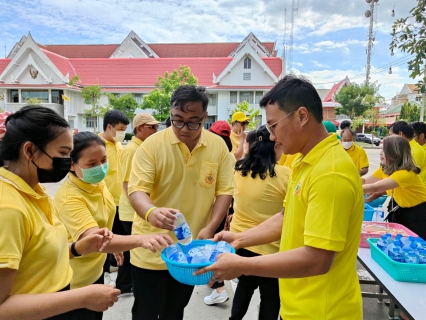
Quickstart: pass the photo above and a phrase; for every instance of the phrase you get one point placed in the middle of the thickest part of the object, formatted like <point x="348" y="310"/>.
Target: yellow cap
<point x="240" y="117"/>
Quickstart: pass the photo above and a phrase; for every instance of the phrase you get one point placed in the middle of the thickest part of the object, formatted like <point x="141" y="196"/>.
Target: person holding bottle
<point x="398" y="176"/>
<point x="261" y="186"/>
<point x="35" y="272"/>
<point x="85" y="205"/>
<point x="183" y="169"/>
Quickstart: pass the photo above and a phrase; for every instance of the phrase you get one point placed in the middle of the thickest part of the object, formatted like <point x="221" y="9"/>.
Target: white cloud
<point x="319" y="65"/>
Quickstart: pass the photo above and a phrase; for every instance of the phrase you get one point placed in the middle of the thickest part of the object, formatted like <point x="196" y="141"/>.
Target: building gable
<point x="257" y="46"/>
<point x="133" y="47"/>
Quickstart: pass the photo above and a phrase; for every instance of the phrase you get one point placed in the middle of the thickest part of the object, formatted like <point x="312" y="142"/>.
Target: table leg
<point x="380" y="300"/>
<point x="391" y="309"/>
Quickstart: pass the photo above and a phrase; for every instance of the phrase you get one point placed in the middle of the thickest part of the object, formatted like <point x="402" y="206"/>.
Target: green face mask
<point x="95" y="174"/>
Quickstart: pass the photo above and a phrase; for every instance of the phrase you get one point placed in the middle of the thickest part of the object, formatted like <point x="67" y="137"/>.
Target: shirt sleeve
<point x="15" y="230"/>
<point x="379" y="174"/>
<point x="225" y="177"/>
<point x="331" y="198"/>
<point x="403" y="178"/>
<point x="142" y="177"/>
<point x="363" y="159"/>
<point x="126" y="164"/>
<point x="75" y="215"/>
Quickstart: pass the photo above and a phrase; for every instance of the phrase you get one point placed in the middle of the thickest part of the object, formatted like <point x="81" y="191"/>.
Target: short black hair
<point x="345" y="124"/>
<point x="404" y="127"/>
<point x="114" y="117"/>
<point x="34" y="123"/>
<point x="184" y="94"/>
<point x="83" y="140"/>
<point x="419" y="127"/>
<point x="293" y="92"/>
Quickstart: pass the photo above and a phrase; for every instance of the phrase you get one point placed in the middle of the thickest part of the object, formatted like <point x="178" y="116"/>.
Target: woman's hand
<point x="155" y="242"/>
<point x="119" y="257"/>
<point x="94" y="242"/>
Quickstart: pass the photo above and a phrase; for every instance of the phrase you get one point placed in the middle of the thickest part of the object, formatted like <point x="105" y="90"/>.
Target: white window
<point x="258" y="97"/>
<point x="138" y="97"/>
<point x="233" y="97"/>
<point x="90" y="122"/>
<point x="246" y="96"/>
<point x="14" y="96"/>
<point x="212" y="99"/>
<point x="247" y="63"/>
<point x="246" y="76"/>
<point x="42" y="95"/>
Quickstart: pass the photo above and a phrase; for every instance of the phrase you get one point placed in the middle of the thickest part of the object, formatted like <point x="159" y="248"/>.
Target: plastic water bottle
<point x="182" y="231"/>
<point x="382" y="243"/>
<point x="396" y="254"/>
<point x="412" y="257"/>
<point x="220" y="248"/>
<point x="379" y="214"/>
<point x="421" y="254"/>
<point x="398" y="237"/>
<point x="196" y="255"/>
<point x="395" y="244"/>
<point x="406" y="241"/>
<point x="175" y="253"/>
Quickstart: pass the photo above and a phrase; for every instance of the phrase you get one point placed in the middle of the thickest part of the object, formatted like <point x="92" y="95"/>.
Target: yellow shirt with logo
<point x="252" y="206"/>
<point x="287" y="159"/>
<point x="114" y="179"/>
<point x="358" y="156"/>
<point x="82" y="206"/>
<point x="32" y="240"/>
<point x="411" y="190"/>
<point x="126" y="212"/>
<point x="419" y="156"/>
<point x="324" y="209"/>
<point x="235" y="140"/>
<point x="175" y="178"/>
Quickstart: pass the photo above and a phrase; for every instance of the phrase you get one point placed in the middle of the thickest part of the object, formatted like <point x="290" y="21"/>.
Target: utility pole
<point x="370" y="14"/>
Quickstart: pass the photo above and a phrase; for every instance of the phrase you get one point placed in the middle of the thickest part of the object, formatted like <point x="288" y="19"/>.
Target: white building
<point x="231" y="72"/>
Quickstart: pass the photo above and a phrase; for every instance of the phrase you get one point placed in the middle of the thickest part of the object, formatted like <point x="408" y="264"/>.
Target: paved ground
<point x="198" y="310"/>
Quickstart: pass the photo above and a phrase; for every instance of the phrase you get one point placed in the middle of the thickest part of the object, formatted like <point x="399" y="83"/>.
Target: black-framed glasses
<point x="244" y="123"/>
<point x="271" y="128"/>
<point x="191" y="125"/>
<point x="151" y="126"/>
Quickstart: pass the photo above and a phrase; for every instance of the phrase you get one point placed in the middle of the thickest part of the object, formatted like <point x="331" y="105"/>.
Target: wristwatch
<point x="73" y="251"/>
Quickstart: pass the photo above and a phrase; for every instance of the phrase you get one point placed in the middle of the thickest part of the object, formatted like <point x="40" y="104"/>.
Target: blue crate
<point x="368" y="212"/>
<point x="183" y="272"/>
<point x="377" y="202"/>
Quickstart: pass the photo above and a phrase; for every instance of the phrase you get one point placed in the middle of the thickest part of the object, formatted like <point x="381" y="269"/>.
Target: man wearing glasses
<point x="320" y="222"/>
<point x="238" y="136"/>
<point x="181" y="169"/>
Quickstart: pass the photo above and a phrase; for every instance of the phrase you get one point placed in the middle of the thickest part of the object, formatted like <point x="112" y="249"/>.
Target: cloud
<point x="319" y="65"/>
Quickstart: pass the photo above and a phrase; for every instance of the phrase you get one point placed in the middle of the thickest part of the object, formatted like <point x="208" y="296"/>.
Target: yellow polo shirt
<point x="114" y="179"/>
<point x="411" y="190"/>
<point x="287" y="159"/>
<point x="424" y="147"/>
<point x="32" y="240"/>
<point x="324" y="209"/>
<point x="358" y="156"/>
<point x="126" y="212"/>
<point x="419" y="156"/>
<point x="82" y="206"/>
<point x="175" y="178"/>
<point x="235" y="140"/>
<point x="252" y="207"/>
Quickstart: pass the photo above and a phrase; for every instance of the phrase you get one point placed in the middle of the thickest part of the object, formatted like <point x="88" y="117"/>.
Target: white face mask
<point x="347" y="145"/>
<point x="119" y="136"/>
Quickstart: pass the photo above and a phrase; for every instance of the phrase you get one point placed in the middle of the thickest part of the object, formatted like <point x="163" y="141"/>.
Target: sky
<point x="329" y="36"/>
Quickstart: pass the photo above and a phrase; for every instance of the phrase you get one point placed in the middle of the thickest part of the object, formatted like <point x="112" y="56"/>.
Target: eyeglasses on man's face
<point x="191" y="125"/>
<point x="245" y="123"/>
<point x="271" y="128"/>
<point x="151" y="126"/>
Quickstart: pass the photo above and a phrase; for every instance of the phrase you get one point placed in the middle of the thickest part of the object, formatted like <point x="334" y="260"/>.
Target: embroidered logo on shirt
<point x="209" y="178"/>
<point x="298" y="188"/>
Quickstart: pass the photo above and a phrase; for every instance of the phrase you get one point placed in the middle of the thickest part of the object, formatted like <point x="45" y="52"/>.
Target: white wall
<point x="129" y="50"/>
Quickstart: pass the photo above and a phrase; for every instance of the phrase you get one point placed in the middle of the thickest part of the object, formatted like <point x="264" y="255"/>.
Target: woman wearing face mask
<point x="398" y="175"/>
<point x="34" y="251"/>
<point x="357" y="154"/>
<point x="85" y="205"/>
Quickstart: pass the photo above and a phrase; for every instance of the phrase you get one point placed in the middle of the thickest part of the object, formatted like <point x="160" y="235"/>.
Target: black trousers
<point x="80" y="314"/>
<point x="124" y="275"/>
<point x="413" y="218"/>
<point x="158" y="295"/>
<point x="269" y="294"/>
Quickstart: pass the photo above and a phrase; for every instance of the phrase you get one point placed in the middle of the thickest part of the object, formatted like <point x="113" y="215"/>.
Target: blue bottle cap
<point x="398" y="236"/>
<point x="397" y="243"/>
<point x="396" y="249"/>
<point x="388" y="235"/>
<point x="411" y="238"/>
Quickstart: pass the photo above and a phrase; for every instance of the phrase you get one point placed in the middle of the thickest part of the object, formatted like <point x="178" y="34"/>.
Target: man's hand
<point x="94" y="242"/>
<point x="205" y="233"/>
<point x="242" y="135"/>
<point x="99" y="297"/>
<point x="227" y="267"/>
<point x="119" y="257"/>
<point x="163" y="218"/>
<point x="230" y="237"/>
<point x="155" y="242"/>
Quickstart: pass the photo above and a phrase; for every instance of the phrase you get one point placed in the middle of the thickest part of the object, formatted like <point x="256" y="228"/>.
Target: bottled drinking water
<point x="220" y="248"/>
<point x="396" y="254"/>
<point x="395" y="244"/>
<point x="182" y="231"/>
<point x="379" y="214"/>
<point x="405" y="252"/>
<point x="197" y="255"/>
<point x="421" y="254"/>
<point x="382" y="243"/>
<point x="412" y="257"/>
<point x="175" y="253"/>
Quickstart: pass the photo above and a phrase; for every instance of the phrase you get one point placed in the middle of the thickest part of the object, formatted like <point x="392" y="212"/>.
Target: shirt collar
<point x="87" y="187"/>
<point x="106" y="141"/>
<point x="17" y="182"/>
<point x="320" y="149"/>
<point x="175" y="140"/>
<point x="137" y="140"/>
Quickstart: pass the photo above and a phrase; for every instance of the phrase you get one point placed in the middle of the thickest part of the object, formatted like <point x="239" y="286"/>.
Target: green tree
<point x="355" y="99"/>
<point x="73" y="80"/>
<point x="91" y="95"/>
<point x="409" y="112"/>
<point x="244" y="107"/>
<point x="159" y="99"/>
<point x="33" y="101"/>
<point x="125" y="103"/>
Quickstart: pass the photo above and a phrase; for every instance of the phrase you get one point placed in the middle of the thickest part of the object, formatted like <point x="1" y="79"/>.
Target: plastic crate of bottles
<point x="183" y="272"/>
<point x="368" y="212"/>
<point x="405" y="272"/>
<point x="377" y="229"/>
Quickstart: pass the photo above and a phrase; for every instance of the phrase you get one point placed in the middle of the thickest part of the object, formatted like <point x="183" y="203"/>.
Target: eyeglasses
<point x="152" y="127"/>
<point x="271" y="128"/>
<point x="244" y="123"/>
<point x="191" y="125"/>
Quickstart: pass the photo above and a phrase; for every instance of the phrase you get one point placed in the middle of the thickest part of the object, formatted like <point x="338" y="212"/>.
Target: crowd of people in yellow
<point x="294" y="190"/>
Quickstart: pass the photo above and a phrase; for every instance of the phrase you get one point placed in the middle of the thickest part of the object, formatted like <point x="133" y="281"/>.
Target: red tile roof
<point x="3" y="64"/>
<point x="62" y="63"/>
<point x="163" y="50"/>
<point x="330" y="95"/>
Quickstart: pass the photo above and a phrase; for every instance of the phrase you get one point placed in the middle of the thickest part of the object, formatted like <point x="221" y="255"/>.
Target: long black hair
<point x="37" y="124"/>
<point x="261" y="158"/>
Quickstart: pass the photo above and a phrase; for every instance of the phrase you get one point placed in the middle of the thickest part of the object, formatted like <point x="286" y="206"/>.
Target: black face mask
<point x="60" y="168"/>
